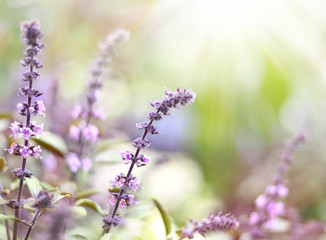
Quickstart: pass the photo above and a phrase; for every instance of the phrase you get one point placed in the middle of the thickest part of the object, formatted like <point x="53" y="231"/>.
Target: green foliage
<point x="91" y="204"/>
<point x="165" y="217"/>
<point x="52" y="143"/>
<point x="108" y="236"/>
<point x="34" y="186"/>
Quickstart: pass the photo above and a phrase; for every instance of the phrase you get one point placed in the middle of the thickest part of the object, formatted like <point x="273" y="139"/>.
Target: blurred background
<point x="258" y="68"/>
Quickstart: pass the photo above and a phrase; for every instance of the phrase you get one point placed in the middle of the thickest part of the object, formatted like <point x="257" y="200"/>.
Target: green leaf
<point x="108" y="156"/>
<point x="34" y="186"/>
<point x="108" y="236"/>
<point x="52" y="143"/>
<point x="165" y="217"/>
<point x="91" y="204"/>
<point x="85" y="194"/>
<point x="2" y="216"/>
<point x="58" y="195"/>
<point x="79" y="211"/>
<point x="3" y="164"/>
<point x="47" y="186"/>
<point x="139" y="211"/>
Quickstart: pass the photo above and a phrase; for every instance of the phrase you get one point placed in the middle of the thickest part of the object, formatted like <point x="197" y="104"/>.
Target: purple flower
<point x="36" y="152"/>
<point x="25" y="151"/>
<point x="123" y="204"/>
<point x="39" y="108"/>
<point x="15" y="127"/>
<point x="112" y="200"/>
<point x="131" y="200"/>
<point x="86" y="164"/>
<point x="37" y="129"/>
<point x="98" y="113"/>
<point x="126" y="156"/>
<point x="261" y="202"/>
<point x="74" y="132"/>
<point x="134" y="184"/>
<point x="90" y="133"/>
<point x="276" y="208"/>
<point x="77" y="111"/>
<point x="73" y="162"/>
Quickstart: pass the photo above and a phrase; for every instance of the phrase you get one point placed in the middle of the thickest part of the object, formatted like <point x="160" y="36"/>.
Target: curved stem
<point x="128" y="176"/>
<point x="36" y="216"/>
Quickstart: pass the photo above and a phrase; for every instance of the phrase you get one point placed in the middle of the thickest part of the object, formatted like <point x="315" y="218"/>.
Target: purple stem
<point x="128" y="176"/>
<point x="36" y="216"/>
<point x="21" y="181"/>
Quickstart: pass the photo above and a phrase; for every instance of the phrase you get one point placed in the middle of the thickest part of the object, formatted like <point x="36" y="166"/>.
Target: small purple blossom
<point x="27" y="132"/>
<point x="90" y="133"/>
<point x="39" y="108"/>
<point x="86" y="164"/>
<point x="276" y="208"/>
<point x="15" y="127"/>
<point x="25" y="151"/>
<point x="74" y="132"/>
<point x="126" y="156"/>
<point x="134" y="184"/>
<point x="77" y="111"/>
<point x="73" y="162"/>
<point x="36" y="152"/>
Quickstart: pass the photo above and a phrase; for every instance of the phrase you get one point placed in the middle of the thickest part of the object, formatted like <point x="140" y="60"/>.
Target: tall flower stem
<point x="128" y="175"/>
<point x="36" y="216"/>
<point x="23" y="166"/>
<point x="5" y="213"/>
<point x="31" y="37"/>
<point x="125" y="182"/>
<point x="85" y="132"/>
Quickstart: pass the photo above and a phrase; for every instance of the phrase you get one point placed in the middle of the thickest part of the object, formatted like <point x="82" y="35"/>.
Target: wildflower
<point x="74" y="132"/>
<point x="15" y="128"/>
<point x="171" y="99"/>
<point x="87" y="132"/>
<point x="86" y="164"/>
<point x="73" y="162"/>
<point x="220" y="222"/>
<point x="25" y="151"/>
<point x="134" y="184"/>
<point x="44" y="200"/>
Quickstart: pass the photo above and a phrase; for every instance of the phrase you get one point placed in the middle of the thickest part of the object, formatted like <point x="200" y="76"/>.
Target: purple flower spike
<point x="87" y="111"/>
<point x="171" y="100"/>
<point x="218" y="223"/>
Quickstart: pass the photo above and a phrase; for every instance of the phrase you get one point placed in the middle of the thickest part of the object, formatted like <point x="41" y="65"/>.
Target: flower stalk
<point x="125" y="182"/>
<point x="31" y="37"/>
<point x="85" y="132"/>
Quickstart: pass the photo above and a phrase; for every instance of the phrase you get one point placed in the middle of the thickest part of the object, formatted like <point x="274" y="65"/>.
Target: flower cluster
<point x="129" y="182"/>
<point x="84" y="131"/>
<point x="44" y="200"/>
<point x="31" y="37"/>
<point x="220" y="222"/>
<point x="269" y="205"/>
